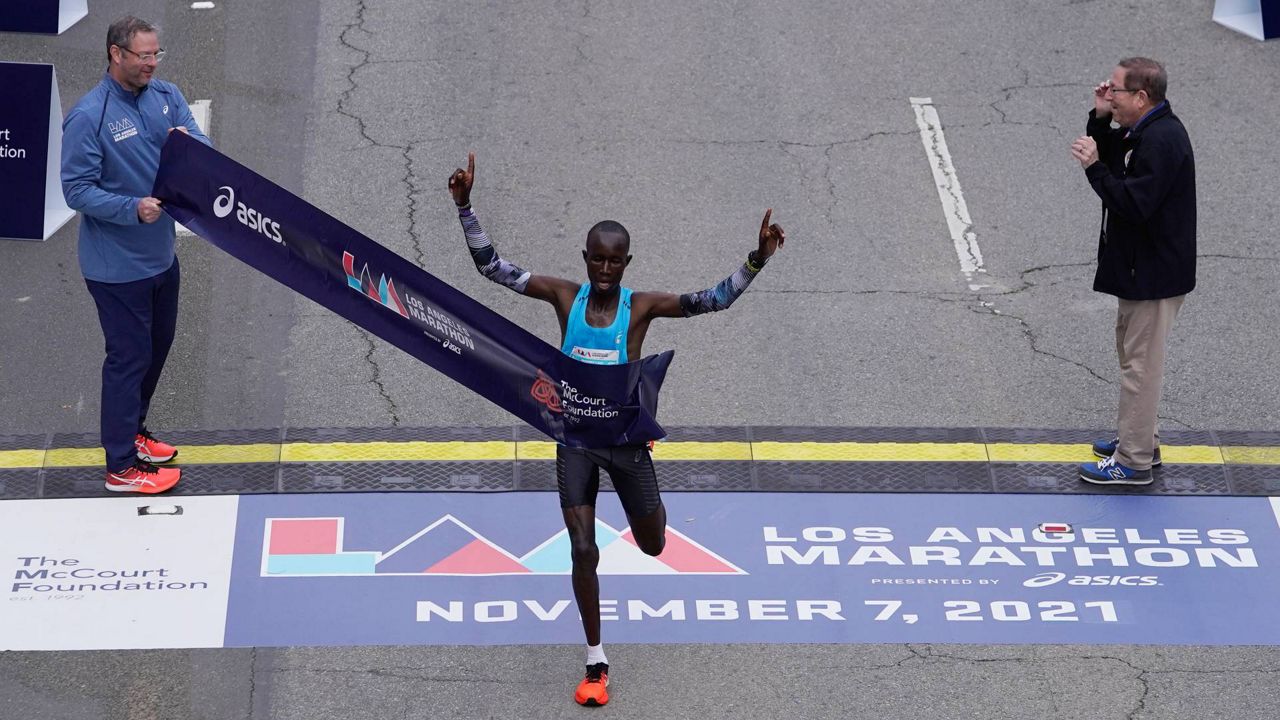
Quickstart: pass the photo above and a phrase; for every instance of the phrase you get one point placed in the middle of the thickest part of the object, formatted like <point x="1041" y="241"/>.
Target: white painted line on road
<point x="948" y="183"/>
<point x="201" y="6"/>
<point x="200" y="113"/>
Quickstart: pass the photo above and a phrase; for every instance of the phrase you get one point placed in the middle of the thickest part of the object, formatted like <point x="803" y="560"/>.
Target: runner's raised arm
<point x="556" y="291"/>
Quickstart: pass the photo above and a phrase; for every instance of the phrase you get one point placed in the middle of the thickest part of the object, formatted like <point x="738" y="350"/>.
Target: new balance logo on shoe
<point x="1109" y="472"/>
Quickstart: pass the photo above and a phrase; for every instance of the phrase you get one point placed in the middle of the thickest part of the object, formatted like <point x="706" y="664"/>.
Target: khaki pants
<point x="1142" y="332"/>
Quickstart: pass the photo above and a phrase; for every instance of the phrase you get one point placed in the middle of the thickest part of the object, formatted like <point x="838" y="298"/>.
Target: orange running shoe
<point x="144" y="478"/>
<point x="592" y="691"/>
<point x="152" y="450"/>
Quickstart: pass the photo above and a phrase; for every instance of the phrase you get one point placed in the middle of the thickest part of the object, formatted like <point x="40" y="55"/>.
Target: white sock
<point x="595" y="654"/>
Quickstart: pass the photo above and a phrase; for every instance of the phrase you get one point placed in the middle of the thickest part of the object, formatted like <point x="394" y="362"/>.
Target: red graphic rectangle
<point x="303" y="537"/>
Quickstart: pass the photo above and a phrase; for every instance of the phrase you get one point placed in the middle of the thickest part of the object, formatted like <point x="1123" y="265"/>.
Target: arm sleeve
<point x="82" y="175"/>
<point x="1136" y="195"/>
<point x="486" y="258"/>
<point x="719" y="297"/>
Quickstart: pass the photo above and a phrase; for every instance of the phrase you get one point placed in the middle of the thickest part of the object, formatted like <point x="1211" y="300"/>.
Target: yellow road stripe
<point x="228" y="454"/>
<point x="663" y="452"/>
<point x="869" y="452"/>
<point x="536" y="450"/>
<point x="702" y="451"/>
<point x="1191" y="454"/>
<point x="1038" y="452"/>
<point x="1043" y="452"/>
<point x="74" y="457"/>
<point x="384" y="451"/>
<point x="1244" y="455"/>
<point x="21" y="458"/>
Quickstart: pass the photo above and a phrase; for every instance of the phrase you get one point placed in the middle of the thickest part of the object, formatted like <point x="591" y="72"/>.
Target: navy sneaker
<point x="1107" y="448"/>
<point x="1109" y="472"/>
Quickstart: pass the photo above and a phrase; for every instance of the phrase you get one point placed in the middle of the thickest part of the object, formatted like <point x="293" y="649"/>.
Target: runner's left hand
<point x="461" y="180"/>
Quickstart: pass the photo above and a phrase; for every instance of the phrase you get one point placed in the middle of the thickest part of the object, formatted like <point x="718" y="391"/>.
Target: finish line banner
<point x="494" y="569"/>
<point x="298" y="245"/>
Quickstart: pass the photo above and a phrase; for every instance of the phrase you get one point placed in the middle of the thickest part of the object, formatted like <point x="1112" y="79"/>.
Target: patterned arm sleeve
<point x="486" y="257"/>
<point x="723" y="294"/>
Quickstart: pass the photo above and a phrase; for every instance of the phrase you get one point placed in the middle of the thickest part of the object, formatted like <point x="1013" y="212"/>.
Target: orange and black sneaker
<point x="152" y="450"/>
<point x="593" y="690"/>
<point x="143" y="477"/>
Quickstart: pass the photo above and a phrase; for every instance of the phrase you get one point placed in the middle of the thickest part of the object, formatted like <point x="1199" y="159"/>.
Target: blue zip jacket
<point x="111" y="144"/>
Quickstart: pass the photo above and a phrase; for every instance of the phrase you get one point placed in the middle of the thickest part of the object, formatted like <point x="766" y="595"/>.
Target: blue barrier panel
<point x="41" y="16"/>
<point x="1259" y="19"/>
<point x="31" y="203"/>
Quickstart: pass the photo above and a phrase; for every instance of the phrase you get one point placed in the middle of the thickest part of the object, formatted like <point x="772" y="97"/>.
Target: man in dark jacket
<point x="1145" y="174"/>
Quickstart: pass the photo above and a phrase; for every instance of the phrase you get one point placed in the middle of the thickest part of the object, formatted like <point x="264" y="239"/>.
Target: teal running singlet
<point x="630" y="467"/>
<point x="601" y="346"/>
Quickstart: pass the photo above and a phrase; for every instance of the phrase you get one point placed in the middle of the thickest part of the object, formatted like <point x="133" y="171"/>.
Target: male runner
<point x="602" y="322"/>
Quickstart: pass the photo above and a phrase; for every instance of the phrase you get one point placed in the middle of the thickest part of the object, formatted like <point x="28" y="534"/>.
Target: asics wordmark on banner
<point x="226" y="201"/>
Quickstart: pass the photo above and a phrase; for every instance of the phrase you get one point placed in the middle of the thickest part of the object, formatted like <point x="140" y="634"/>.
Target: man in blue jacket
<point x="1145" y="173"/>
<point x="110" y="155"/>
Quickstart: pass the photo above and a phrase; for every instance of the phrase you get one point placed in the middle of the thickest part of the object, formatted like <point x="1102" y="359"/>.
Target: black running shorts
<point x="629" y="467"/>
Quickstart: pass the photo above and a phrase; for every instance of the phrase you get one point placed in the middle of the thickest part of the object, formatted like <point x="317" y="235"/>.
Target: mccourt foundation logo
<point x="544" y="391"/>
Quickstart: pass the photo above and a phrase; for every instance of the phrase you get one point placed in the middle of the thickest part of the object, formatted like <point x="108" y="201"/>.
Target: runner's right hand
<point x="461" y="180"/>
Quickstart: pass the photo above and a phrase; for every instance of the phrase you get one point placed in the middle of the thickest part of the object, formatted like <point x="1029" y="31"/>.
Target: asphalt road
<point x="684" y="122"/>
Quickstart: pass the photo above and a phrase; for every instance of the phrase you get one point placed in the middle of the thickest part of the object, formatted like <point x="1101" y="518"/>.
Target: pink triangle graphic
<point x="476" y="558"/>
<point x="686" y="556"/>
<point x="395" y="299"/>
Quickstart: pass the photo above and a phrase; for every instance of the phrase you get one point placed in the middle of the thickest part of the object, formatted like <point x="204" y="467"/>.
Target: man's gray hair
<point x="121" y="32"/>
<point x="1146" y="74"/>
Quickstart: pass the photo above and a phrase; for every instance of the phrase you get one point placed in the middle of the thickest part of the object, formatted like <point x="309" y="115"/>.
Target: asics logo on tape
<point x="247" y="216"/>
<point x="1044" y="579"/>
<point x="1053" y="578"/>
<point x="223" y="203"/>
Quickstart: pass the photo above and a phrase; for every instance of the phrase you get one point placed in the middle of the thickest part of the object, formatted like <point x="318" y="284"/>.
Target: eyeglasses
<point x="156" y="56"/>
<point x="1120" y="90"/>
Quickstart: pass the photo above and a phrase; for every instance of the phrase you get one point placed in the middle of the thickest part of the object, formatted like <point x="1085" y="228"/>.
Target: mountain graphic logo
<point x="384" y="292"/>
<point x="314" y="546"/>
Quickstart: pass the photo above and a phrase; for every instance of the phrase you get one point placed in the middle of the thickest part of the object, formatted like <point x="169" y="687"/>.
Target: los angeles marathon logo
<point x="122" y="129"/>
<point x="451" y="334"/>
<point x="315" y="546"/>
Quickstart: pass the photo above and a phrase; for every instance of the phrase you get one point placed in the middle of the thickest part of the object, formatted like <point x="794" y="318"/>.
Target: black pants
<point x="138" y="320"/>
<point x="629" y="466"/>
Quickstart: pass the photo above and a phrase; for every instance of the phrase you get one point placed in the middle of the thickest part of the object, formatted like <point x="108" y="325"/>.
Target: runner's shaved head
<point x="609" y="230"/>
